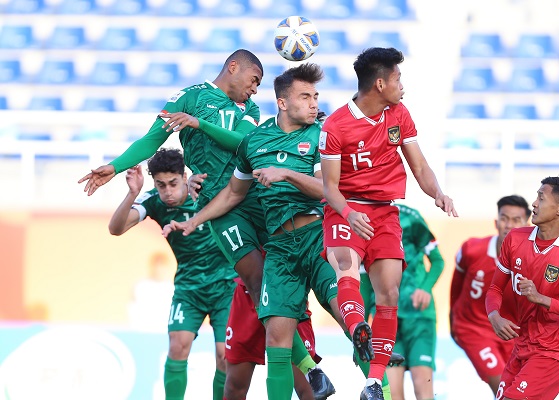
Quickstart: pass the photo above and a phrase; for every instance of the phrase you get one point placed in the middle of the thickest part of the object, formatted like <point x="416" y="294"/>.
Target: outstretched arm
<point x="125" y="217"/>
<point x="426" y="177"/>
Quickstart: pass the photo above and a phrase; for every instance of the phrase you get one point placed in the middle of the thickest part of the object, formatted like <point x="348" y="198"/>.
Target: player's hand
<point x="504" y="328"/>
<point x="178" y="121"/>
<point x="187" y="227"/>
<point x="97" y="178"/>
<point x="269" y="175"/>
<point x="446" y="204"/>
<point x="195" y="184"/>
<point x="420" y="299"/>
<point x="528" y="289"/>
<point x="135" y="179"/>
<point x="359" y="222"/>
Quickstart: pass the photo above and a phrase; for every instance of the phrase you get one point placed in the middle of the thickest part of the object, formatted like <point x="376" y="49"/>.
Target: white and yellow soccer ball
<point x="296" y="38"/>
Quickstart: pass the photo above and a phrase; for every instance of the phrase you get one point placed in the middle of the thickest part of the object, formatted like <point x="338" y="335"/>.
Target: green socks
<point x="280" y="374"/>
<point x="218" y="384"/>
<point x="300" y="355"/>
<point x="174" y="379"/>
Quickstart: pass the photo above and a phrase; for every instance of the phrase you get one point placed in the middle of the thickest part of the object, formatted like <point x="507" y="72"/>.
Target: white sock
<point x="372" y="381"/>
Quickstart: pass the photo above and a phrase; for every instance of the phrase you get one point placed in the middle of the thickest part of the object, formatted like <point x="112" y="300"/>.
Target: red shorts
<point x="534" y="378"/>
<point x="245" y="339"/>
<point x="486" y="351"/>
<point x="386" y="242"/>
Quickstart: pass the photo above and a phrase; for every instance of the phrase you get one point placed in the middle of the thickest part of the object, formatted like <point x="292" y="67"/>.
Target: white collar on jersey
<point x="211" y="83"/>
<point x="492" y="247"/>
<point x="358" y="114"/>
<point x="532" y="237"/>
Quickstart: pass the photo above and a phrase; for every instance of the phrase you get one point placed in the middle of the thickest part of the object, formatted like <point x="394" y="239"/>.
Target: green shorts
<point x="293" y="264"/>
<point x="241" y="230"/>
<point x="416" y="340"/>
<point x="190" y="307"/>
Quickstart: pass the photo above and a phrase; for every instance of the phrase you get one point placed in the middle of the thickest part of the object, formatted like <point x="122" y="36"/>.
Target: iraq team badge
<point x="551" y="273"/>
<point x="304" y="148"/>
<point x="241" y="106"/>
<point x="394" y="134"/>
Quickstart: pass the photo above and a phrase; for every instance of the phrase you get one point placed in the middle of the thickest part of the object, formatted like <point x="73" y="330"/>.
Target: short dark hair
<point x="245" y="59"/>
<point x="166" y="160"/>
<point x="552" y="181"/>
<point x="374" y="63"/>
<point x="308" y="72"/>
<point x="514" y="200"/>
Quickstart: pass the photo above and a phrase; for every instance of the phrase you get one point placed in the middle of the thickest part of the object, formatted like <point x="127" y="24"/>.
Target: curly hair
<point x="166" y="160"/>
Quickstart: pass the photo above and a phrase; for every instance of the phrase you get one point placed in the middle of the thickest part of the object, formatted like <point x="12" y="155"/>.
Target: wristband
<point x="345" y="212"/>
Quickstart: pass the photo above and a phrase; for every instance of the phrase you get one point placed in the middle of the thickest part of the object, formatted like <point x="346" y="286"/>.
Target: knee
<point x="388" y="296"/>
<point x="179" y="347"/>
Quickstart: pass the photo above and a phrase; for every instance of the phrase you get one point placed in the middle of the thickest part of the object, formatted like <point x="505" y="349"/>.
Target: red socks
<point x="350" y="302"/>
<point x="385" y="324"/>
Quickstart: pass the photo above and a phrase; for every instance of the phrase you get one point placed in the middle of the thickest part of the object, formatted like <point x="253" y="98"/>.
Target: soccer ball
<point x="296" y="38"/>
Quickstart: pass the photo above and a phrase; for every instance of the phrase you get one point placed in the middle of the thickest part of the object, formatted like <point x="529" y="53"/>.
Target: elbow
<point x="114" y="231"/>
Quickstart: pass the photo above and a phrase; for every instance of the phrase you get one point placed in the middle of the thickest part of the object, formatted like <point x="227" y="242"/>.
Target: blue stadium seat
<point x="389" y="10"/>
<point x="118" y="39"/>
<point x="171" y="39"/>
<point x="555" y="113"/>
<point x="3" y="103"/>
<point x="519" y="111"/>
<point x="35" y="136"/>
<point x="535" y="46"/>
<point x="334" y="42"/>
<point x="268" y="108"/>
<point x="209" y="71"/>
<point x="483" y="45"/>
<point x="280" y="9"/>
<point x="473" y="79"/>
<point x="222" y="40"/>
<point x="98" y="104"/>
<point x="127" y="7"/>
<point x="467" y="110"/>
<point x="332" y="9"/>
<point x="45" y="103"/>
<point x="24" y="7"/>
<point x="462" y="140"/>
<point x="332" y="78"/>
<point x="387" y="39"/>
<point x="77" y="7"/>
<point x="108" y="73"/>
<point x="160" y="74"/>
<point x="527" y="79"/>
<point x="228" y="8"/>
<point x="16" y="37"/>
<point x="146" y="104"/>
<point x="66" y="37"/>
<point x="270" y="72"/>
<point x="10" y="71"/>
<point x="88" y="135"/>
<point x="178" y="8"/>
<point x="56" y="73"/>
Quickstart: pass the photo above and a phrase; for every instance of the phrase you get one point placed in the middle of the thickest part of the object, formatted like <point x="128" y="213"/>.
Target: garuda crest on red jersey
<point x="304" y="148"/>
<point x="551" y="273"/>
<point x="394" y="134"/>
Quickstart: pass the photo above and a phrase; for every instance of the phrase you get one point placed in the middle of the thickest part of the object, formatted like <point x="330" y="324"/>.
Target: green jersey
<point x="269" y="146"/>
<point x="200" y="262"/>
<point x="201" y="153"/>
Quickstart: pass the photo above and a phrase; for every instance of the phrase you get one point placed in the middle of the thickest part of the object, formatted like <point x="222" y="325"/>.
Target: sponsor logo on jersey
<point x="322" y="140"/>
<point x="211" y="106"/>
<point x="522" y="386"/>
<point x="333" y="285"/>
<point x="241" y="106"/>
<point x="304" y="148"/>
<point x="176" y="96"/>
<point x="425" y="357"/>
<point x="394" y="134"/>
<point x="551" y="273"/>
<point x="360" y="145"/>
<point x="261" y="150"/>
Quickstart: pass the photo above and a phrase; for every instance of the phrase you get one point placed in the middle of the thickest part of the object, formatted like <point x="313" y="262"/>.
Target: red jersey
<point x="476" y="262"/>
<point x="521" y="257"/>
<point x="371" y="167"/>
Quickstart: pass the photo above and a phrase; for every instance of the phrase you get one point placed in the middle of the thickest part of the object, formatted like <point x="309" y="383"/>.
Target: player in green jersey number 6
<point x="204" y="278"/>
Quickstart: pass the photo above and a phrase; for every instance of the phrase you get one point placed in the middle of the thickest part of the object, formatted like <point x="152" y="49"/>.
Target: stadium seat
<point x="527" y="79"/>
<point x="145" y="104"/>
<point x="171" y="39"/>
<point x="98" y="104"/>
<point x="24" y="7"/>
<point x="66" y="37"/>
<point x="222" y="40"/>
<point x="10" y="71"/>
<point x="279" y="9"/>
<point x="270" y="72"/>
<point x="45" y="103"/>
<point x="88" y="135"/>
<point x="3" y="103"/>
<point x="227" y="8"/>
<point x="389" y="10"/>
<point x="178" y="8"/>
<point x="268" y="108"/>
<point x="108" y="73"/>
<point x="118" y="39"/>
<point x="555" y="113"/>
<point x="461" y="140"/>
<point x="387" y="39"/>
<point x="56" y="73"/>
<point x="519" y="111"/>
<point x="209" y="71"/>
<point x="332" y="78"/>
<point x="468" y="111"/>
<point x="127" y="7"/>
<point x="160" y="74"/>
<point x="35" y="136"/>
<point x="473" y="79"/>
<point x="535" y="46"/>
<point x="483" y="45"/>
<point x="77" y="7"/>
<point x="16" y="37"/>
<point x="332" y="9"/>
<point x="334" y="42"/>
